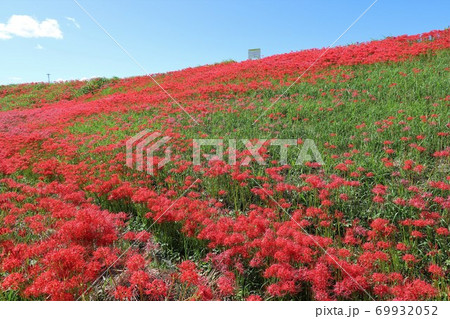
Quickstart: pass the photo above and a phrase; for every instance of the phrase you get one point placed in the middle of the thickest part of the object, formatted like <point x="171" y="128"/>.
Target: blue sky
<point x="165" y="35"/>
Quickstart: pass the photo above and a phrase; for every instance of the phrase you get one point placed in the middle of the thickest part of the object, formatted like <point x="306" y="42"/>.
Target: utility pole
<point x="48" y="76"/>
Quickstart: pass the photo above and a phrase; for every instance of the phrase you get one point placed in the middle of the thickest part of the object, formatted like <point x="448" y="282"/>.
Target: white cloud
<point x="14" y="79"/>
<point x="74" y="22"/>
<point x="27" y="27"/>
<point x="39" y="47"/>
<point x="88" y="78"/>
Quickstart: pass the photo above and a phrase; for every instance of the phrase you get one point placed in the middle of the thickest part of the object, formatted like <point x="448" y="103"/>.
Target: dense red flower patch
<point x="371" y="224"/>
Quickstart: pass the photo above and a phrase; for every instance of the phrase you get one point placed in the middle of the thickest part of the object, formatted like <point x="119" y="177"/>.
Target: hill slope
<point x="369" y="222"/>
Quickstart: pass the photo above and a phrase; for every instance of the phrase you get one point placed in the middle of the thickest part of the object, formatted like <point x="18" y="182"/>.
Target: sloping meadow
<point x="369" y="220"/>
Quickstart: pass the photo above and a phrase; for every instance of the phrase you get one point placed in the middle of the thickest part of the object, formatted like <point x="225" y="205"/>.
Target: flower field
<point x="369" y="223"/>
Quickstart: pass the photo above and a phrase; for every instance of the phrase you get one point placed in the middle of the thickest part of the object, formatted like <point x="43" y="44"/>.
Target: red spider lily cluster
<point x="77" y="224"/>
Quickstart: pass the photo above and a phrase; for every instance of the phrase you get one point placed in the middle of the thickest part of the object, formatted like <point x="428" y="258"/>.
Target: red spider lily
<point x="73" y="212"/>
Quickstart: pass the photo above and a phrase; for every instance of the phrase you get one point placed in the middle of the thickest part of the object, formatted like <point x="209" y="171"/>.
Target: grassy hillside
<point x="370" y="222"/>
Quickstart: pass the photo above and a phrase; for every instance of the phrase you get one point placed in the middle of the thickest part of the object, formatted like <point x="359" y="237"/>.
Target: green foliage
<point x="92" y="86"/>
